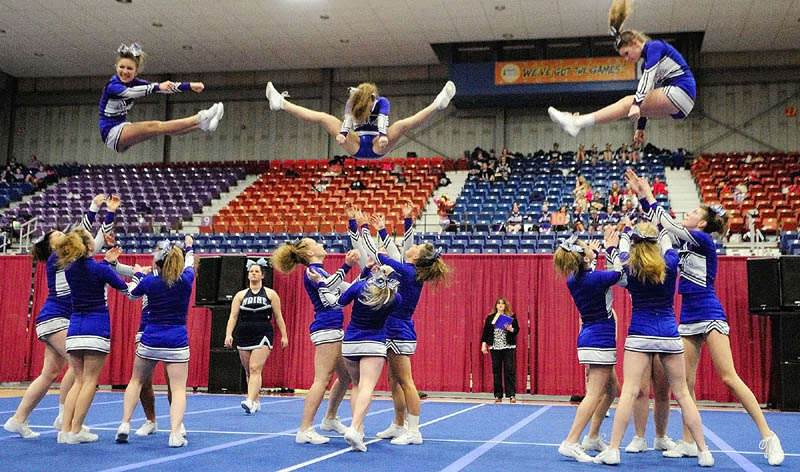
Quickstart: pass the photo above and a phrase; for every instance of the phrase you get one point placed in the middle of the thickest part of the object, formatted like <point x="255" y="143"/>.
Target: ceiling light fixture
<point x="124" y="1"/>
<point x="344" y="41"/>
<point x="2" y="31"/>
<point x="186" y="47"/>
<point x="157" y="24"/>
<point x="507" y="35"/>
<point x="38" y="54"/>
<point x="499" y="7"/>
<point x="324" y="17"/>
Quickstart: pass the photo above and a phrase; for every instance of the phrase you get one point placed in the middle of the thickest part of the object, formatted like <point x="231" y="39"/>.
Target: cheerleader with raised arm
<point x="702" y="319"/>
<point x="326" y="335"/>
<point x="597" y="340"/>
<point x="52" y="321"/>
<point x="124" y="87"/>
<point x="374" y="297"/>
<point x="251" y="315"/>
<point x="165" y="337"/>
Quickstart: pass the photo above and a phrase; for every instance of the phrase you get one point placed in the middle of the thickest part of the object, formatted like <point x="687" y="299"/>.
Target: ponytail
<point x="172" y="267"/>
<point x="646" y="262"/>
<point x="361" y="101"/>
<point x="619" y="12"/>
<point x="73" y="246"/>
<point x="288" y="255"/>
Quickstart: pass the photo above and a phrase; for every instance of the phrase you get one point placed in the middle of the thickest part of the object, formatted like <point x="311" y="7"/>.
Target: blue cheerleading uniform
<point x="376" y="125"/>
<point x="401" y="337"/>
<point x="653" y="328"/>
<point x="118" y="98"/>
<point x="89" y="324"/>
<point x="701" y="310"/>
<point x="328" y="316"/>
<point x="366" y="333"/>
<point x="664" y="67"/>
<point x="55" y="313"/>
<point x="165" y="337"/>
<point x="591" y="291"/>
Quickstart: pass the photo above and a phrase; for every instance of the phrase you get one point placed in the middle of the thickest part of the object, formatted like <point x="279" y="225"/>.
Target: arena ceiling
<point x="54" y="38"/>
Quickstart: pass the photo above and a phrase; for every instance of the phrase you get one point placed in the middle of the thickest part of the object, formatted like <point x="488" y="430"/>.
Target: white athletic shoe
<point x="82" y="437"/>
<point x="594" y="444"/>
<point x="681" y="449"/>
<point x="565" y="120"/>
<point x="609" y="456"/>
<point x="61" y="437"/>
<point x="638" y="444"/>
<point x="409" y="437"/>
<point x="214" y="122"/>
<point x="58" y="422"/>
<point x="20" y="428"/>
<point x="772" y="450"/>
<point x="391" y="432"/>
<point x="207" y="116"/>
<point x="176" y="440"/>
<point x="355" y="440"/>
<point x="333" y="425"/>
<point x="248" y="406"/>
<point x="444" y="97"/>
<point x="574" y="450"/>
<point x="256" y="406"/>
<point x="124" y="431"/>
<point x="275" y="99"/>
<point x="310" y="436"/>
<point x="182" y="430"/>
<point x="705" y="459"/>
<point x="663" y="444"/>
<point x="149" y="427"/>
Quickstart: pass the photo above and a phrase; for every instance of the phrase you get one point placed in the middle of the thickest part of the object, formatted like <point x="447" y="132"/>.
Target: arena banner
<point x="593" y="69"/>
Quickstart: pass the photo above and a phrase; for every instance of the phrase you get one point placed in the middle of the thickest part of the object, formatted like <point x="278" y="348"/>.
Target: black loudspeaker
<point x="788" y="396"/>
<point x="763" y="285"/>
<point x="225" y="372"/>
<point x="207" y="280"/>
<point x="785" y="329"/>
<point x="219" y="324"/>
<point x="232" y="277"/>
<point x="790" y="282"/>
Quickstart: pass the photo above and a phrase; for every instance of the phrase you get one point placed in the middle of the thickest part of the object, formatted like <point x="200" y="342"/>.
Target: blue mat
<point x="458" y="436"/>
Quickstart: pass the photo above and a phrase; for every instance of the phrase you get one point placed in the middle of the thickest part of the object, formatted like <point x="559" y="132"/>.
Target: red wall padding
<point x="449" y="320"/>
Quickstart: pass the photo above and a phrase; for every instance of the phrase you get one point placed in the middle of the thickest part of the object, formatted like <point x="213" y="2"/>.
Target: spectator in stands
<point x="444" y="208"/>
<point x="21" y="175"/>
<point x="622" y="153"/>
<point x="740" y="193"/>
<point x="581" y="205"/>
<point x="608" y="154"/>
<point x="508" y="155"/>
<point x="7" y="176"/>
<point x="514" y="222"/>
<point x="614" y="216"/>
<point x="34" y="164"/>
<point x="659" y="187"/>
<point x="592" y="153"/>
<point x="544" y="223"/>
<point x="700" y="163"/>
<point x="560" y="219"/>
<point x="582" y="189"/>
<point x="633" y="156"/>
<point x="503" y="170"/>
<point x="752" y="179"/>
<point x="594" y="223"/>
<point x="554" y="155"/>
<point x="793" y="188"/>
<point x="397" y="170"/>
<point x="578" y="226"/>
<point x="357" y="184"/>
<point x="492" y="159"/>
<point x="581" y="155"/>
<point x="486" y="174"/>
<point x="321" y="184"/>
<point x="615" y="199"/>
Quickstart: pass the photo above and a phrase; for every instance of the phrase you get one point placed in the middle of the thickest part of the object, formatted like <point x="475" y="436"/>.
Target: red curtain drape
<point x="449" y="320"/>
<point x="15" y="294"/>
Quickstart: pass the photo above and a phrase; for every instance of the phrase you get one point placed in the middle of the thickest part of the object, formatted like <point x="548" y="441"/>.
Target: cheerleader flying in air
<point x="365" y="132"/>
<point x="124" y="87"/>
<point x="666" y="88"/>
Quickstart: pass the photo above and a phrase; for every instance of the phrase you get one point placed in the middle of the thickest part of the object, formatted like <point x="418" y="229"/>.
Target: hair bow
<point x="718" y="209"/>
<point x="381" y="280"/>
<point x="260" y="262"/>
<point x="617" y="37"/>
<point x="161" y="250"/>
<point x="39" y="238"/>
<point x="570" y="246"/>
<point x="637" y="237"/>
<point x="134" y="49"/>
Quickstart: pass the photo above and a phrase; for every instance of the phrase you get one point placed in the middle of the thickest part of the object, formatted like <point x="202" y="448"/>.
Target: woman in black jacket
<point x="500" y="336"/>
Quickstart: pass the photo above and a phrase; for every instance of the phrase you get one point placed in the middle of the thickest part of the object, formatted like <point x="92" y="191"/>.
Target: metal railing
<point x="25" y="232"/>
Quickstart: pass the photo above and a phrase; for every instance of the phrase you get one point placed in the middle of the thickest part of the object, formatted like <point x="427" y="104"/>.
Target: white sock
<point x="60" y="409"/>
<point x="413" y="423"/>
<point x="585" y="121"/>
